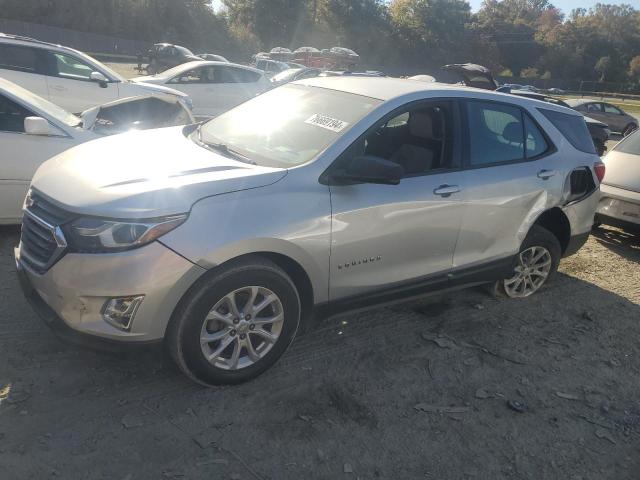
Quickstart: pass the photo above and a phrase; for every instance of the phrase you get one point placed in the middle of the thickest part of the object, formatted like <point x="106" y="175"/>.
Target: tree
<point x="603" y="67"/>
<point x="634" y="68"/>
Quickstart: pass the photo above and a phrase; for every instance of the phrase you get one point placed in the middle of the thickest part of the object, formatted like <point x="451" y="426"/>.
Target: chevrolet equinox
<point x="220" y="239"/>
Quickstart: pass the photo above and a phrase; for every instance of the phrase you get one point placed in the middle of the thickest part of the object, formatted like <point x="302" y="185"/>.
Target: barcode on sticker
<point x="327" y="122"/>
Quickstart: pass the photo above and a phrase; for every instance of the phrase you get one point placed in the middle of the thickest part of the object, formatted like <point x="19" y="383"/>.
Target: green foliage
<point x="506" y="73"/>
<point x="523" y="37"/>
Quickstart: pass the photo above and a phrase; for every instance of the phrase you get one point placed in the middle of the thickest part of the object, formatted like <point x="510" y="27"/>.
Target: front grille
<point x="42" y="242"/>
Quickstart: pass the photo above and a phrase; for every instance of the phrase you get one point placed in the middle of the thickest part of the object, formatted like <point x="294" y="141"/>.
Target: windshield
<point x="31" y="101"/>
<point x="184" y="51"/>
<point x="289" y="125"/>
<point x="286" y="75"/>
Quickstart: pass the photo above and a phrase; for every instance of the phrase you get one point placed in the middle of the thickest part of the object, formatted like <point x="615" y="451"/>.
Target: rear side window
<point x="573" y="128"/>
<point x="536" y="143"/>
<point x="21" y="59"/>
<point x="631" y="144"/>
<point x="237" y="75"/>
<point x="496" y="133"/>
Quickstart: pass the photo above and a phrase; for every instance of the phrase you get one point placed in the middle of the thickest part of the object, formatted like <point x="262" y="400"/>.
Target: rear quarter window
<point x="21" y="59"/>
<point x="572" y="128"/>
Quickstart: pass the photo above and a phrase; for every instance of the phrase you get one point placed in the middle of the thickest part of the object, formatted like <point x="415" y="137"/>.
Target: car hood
<point x="152" y="87"/>
<point x="144" y="174"/>
<point x="149" y="80"/>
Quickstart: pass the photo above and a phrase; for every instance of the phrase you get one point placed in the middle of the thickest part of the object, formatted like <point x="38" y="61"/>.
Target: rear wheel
<point x="235" y="324"/>
<point x="534" y="266"/>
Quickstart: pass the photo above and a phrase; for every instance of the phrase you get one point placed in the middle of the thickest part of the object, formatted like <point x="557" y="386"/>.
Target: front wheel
<point x="235" y="323"/>
<point x="534" y="266"/>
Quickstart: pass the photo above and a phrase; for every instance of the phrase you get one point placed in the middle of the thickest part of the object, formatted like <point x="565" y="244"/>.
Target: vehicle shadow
<point x="624" y="243"/>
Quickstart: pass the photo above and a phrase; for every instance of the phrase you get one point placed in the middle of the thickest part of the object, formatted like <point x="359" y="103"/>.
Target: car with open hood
<point x="33" y="130"/>
<point x="223" y="239"/>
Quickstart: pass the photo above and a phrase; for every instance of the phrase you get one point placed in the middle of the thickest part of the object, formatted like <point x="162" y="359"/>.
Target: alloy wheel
<point x="534" y="266"/>
<point x="242" y="328"/>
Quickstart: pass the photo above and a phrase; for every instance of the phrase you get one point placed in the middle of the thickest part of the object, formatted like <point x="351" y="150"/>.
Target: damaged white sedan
<point x="32" y="130"/>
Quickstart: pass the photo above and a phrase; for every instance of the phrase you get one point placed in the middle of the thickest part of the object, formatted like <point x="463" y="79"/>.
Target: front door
<point x="20" y="157"/>
<point x="70" y="86"/>
<point x="391" y="235"/>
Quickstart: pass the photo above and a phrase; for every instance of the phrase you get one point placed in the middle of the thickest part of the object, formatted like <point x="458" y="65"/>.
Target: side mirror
<point x="370" y="169"/>
<point x="99" y="78"/>
<point x="37" y="126"/>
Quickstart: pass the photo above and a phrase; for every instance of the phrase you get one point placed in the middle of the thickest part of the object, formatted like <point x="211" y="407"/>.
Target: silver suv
<point x="221" y="239"/>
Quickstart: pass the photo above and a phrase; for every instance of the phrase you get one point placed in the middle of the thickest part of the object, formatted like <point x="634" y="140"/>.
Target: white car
<point x="32" y="130"/>
<point x="214" y="87"/>
<point x="69" y="78"/>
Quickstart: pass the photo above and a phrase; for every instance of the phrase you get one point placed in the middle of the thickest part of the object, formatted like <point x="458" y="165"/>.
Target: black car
<point x="600" y="132"/>
<point x="164" y="56"/>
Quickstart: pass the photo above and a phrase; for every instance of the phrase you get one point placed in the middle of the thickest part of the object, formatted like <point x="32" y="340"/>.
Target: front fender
<point x="295" y="223"/>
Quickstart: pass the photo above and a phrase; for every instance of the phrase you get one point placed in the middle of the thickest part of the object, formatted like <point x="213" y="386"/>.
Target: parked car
<point x="320" y="195"/>
<point x="618" y="120"/>
<point x="473" y="75"/>
<point x="620" y="199"/>
<point x="214" y="87"/>
<point x="600" y="132"/>
<point x="166" y="55"/>
<point x="70" y="79"/>
<point x="556" y="91"/>
<point x="271" y="67"/>
<point x="213" y="57"/>
<point x="422" y="78"/>
<point x="294" y="74"/>
<point x="33" y="130"/>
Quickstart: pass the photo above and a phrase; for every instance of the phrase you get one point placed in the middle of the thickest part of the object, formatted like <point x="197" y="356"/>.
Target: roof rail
<point x="26" y="39"/>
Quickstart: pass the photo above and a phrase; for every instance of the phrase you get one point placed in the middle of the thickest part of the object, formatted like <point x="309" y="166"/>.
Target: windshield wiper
<point x="224" y="149"/>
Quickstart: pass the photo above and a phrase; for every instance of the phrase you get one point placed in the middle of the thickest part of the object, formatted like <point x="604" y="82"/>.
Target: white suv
<point x="71" y="79"/>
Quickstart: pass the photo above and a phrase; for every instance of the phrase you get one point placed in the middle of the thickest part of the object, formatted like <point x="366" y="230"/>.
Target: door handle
<point x="546" y="174"/>
<point x="446" y="190"/>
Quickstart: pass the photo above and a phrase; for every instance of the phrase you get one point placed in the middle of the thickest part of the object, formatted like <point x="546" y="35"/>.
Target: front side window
<point x="419" y="139"/>
<point x="594" y="107"/>
<point x="289" y="125"/>
<point x="21" y="59"/>
<point x="12" y="115"/>
<point x="72" y="68"/>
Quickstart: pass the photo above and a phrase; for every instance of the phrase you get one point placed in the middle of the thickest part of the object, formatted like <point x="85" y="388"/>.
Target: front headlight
<point x="100" y="235"/>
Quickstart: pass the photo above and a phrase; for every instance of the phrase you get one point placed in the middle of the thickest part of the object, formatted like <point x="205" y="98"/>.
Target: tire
<point x="254" y="276"/>
<point x="537" y="240"/>
<point x="629" y="129"/>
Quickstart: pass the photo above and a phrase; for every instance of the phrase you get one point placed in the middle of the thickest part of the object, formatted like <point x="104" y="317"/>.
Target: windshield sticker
<point x="329" y="123"/>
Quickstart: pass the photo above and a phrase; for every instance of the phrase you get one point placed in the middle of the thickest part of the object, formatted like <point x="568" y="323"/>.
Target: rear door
<point x="25" y="66"/>
<point x="70" y="85"/>
<point x="20" y="156"/>
<point x="511" y="170"/>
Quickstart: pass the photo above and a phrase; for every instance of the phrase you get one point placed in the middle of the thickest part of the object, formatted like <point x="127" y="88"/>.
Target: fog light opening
<point x="119" y="312"/>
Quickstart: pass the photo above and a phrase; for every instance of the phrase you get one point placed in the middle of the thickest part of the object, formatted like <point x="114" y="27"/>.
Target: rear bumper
<point x="619" y="207"/>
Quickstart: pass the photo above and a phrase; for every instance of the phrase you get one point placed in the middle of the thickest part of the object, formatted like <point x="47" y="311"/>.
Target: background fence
<point x="85" y="41"/>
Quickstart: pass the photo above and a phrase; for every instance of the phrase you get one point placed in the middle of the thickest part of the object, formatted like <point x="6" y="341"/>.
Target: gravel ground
<point x="418" y="390"/>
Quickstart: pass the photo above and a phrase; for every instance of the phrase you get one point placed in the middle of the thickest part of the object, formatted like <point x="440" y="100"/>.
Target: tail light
<point x="599" y="168"/>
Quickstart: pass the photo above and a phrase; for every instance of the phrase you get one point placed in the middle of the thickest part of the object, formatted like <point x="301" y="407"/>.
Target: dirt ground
<point x="420" y="390"/>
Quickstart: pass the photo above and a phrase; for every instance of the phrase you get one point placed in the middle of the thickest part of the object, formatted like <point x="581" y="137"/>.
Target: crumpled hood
<point x="144" y="174"/>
